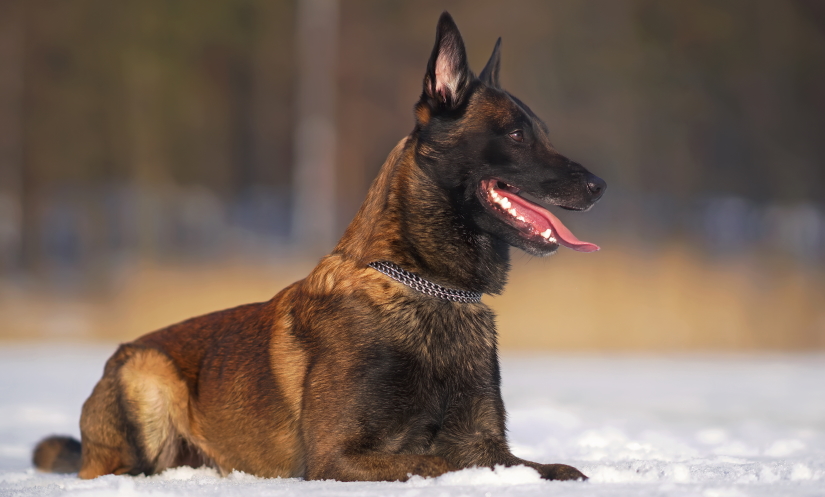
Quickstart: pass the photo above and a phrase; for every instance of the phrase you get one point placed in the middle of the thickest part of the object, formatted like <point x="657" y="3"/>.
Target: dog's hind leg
<point x="136" y="420"/>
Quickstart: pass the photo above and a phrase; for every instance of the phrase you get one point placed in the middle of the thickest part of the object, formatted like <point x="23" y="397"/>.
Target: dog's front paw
<point x="560" y="472"/>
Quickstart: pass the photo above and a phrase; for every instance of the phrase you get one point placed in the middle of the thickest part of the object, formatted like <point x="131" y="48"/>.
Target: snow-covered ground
<point x="712" y="425"/>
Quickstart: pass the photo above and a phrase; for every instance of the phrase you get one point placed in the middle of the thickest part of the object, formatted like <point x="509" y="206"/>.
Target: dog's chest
<point x="442" y="359"/>
<point x="454" y="342"/>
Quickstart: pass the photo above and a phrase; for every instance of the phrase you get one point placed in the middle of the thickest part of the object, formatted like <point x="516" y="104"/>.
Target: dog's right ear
<point x="489" y="75"/>
<point x="448" y="74"/>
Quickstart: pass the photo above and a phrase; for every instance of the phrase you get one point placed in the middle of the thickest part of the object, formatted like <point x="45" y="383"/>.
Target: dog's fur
<point x="348" y="374"/>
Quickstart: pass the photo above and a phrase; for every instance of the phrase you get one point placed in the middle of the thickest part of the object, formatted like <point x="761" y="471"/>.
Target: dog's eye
<point x="517" y="135"/>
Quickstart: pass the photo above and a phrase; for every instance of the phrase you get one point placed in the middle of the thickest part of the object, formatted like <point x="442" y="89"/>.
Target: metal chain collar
<point x="419" y="284"/>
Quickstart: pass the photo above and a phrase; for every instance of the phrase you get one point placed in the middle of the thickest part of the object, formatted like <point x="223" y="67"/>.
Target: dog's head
<point x="493" y="155"/>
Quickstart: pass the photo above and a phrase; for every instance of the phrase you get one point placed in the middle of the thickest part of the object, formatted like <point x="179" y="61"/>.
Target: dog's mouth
<point x="532" y="220"/>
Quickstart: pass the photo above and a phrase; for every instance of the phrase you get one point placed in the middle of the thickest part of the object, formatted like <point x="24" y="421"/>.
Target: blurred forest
<point x="148" y="155"/>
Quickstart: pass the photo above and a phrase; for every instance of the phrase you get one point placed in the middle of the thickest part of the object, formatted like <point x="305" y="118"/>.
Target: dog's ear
<point x="489" y="75"/>
<point x="448" y="75"/>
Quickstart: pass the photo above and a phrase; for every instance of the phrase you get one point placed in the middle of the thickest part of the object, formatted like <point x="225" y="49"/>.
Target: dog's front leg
<point x="378" y="467"/>
<point x="477" y="448"/>
<point x="476" y="437"/>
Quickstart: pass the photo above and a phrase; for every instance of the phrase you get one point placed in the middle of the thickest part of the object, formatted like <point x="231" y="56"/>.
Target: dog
<point x="383" y="362"/>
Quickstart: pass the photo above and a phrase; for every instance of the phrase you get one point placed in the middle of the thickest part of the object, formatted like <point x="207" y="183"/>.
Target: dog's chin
<point x="536" y="248"/>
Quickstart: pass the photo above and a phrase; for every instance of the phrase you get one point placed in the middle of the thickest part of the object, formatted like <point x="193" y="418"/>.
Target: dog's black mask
<point x="491" y="153"/>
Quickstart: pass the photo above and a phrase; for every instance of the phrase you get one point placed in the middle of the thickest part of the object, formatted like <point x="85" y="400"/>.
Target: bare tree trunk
<point x="314" y="181"/>
<point x="11" y="133"/>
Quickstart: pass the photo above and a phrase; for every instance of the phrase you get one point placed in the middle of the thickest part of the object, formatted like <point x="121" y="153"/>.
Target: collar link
<point x="424" y="286"/>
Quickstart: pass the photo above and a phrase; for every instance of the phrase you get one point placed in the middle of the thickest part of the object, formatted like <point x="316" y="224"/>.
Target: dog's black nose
<point x="596" y="186"/>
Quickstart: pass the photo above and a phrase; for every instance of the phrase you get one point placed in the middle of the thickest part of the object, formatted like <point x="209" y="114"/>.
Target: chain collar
<point x="419" y="284"/>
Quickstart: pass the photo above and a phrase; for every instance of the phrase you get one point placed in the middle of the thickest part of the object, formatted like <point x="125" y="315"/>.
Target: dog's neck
<point x="407" y="219"/>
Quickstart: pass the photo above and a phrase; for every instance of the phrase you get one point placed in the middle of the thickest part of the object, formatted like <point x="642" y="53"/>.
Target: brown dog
<point x="363" y="370"/>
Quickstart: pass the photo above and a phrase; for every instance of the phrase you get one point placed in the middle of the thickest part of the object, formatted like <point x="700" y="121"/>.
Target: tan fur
<point x="289" y="364"/>
<point x="160" y="403"/>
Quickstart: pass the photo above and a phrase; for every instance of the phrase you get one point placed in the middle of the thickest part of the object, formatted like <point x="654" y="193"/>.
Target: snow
<point x="680" y="425"/>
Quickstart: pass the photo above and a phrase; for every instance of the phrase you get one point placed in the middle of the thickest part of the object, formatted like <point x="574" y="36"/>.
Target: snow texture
<point x="710" y="426"/>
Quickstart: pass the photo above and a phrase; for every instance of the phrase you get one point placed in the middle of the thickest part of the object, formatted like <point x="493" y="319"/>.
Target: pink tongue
<point x="542" y="219"/>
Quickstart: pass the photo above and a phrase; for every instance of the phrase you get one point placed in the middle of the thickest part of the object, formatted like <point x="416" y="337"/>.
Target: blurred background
<point x="166" y="158"/>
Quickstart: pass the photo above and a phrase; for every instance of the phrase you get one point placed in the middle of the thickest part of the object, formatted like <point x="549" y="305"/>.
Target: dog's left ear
<point x="448" y="75"/>
<point x="489" y="75"/>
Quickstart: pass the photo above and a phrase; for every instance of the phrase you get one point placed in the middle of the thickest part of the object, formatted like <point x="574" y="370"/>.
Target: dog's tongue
<point x="541" y="219"/>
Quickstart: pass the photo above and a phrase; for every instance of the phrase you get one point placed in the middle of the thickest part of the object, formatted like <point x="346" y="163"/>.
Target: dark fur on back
<point x="348" y="374"/>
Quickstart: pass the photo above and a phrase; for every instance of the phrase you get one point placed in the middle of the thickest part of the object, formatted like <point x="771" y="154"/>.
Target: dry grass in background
<point x="616" y="299"/>
<point x="666" y="300"/>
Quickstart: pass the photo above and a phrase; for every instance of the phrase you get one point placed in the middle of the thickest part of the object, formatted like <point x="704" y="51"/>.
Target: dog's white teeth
<point x="505" y="204"/>
<point x="547" y="234"/>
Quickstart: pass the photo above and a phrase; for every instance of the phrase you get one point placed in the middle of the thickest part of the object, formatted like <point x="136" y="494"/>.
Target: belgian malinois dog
<point x="383" y="362"/>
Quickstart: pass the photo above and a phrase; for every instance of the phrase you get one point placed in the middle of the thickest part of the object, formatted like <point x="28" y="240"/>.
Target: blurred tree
<point x="11" y="132"/>
<point x="114" y="114"/>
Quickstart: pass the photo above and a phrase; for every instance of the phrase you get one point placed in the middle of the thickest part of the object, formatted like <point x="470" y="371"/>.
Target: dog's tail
<point x="57" y="454"/>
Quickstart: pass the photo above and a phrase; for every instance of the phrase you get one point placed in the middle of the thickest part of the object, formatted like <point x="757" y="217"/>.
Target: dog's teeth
<point x="520" y="218"/>
<point x="505" y="203"/>
<point x="513" y="212"/>
<point x="546" y="234"/>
